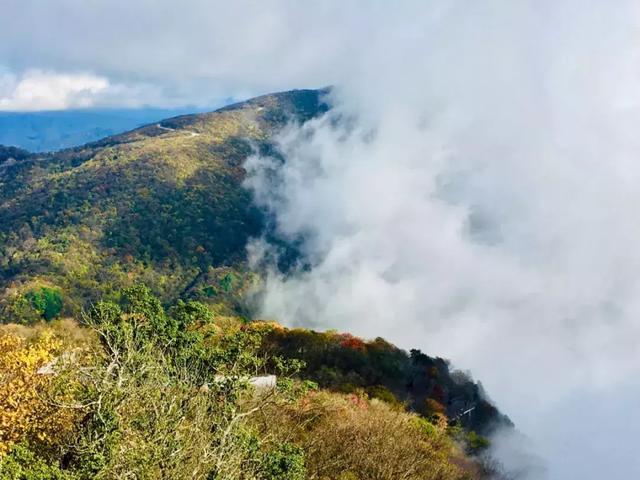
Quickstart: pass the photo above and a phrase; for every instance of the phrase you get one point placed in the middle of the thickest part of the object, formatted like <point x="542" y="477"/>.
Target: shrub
<point x="477" y="442"/>
<point x="284" y="462"/>
<point x="434" y="407"/>
<point x="158" y="393"/>
<point x="383" y="393"/>
<point x="167" y="400"/>
<point x="21" y="463"/>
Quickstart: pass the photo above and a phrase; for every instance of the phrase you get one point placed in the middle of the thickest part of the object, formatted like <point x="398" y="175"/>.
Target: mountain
<point x="49" y="131"/>
<point x="163" y="206"/>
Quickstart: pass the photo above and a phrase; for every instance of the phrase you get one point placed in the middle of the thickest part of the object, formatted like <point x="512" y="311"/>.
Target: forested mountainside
<point x="162" y="205"/>
<point x="127" y="349"/>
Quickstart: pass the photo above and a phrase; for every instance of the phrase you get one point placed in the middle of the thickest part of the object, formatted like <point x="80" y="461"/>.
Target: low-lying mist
<point x="472" y="193"/>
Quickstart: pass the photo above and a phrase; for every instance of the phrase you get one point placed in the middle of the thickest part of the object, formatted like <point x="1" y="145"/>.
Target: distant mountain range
<point x="49" y="131"/>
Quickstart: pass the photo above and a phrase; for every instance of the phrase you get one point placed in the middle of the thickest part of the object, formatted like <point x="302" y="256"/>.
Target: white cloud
<point x="480" y="206"/>
<point x="48" y="90"/>
<point x="194" y="51"/>
<point x="39" y="90"/>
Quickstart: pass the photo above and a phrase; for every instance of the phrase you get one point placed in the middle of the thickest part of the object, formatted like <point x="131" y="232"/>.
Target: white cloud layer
<point x="481" y="207"/>
<point x="38" y="90"/>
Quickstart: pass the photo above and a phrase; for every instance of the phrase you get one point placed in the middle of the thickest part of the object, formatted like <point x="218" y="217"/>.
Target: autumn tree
<point x="27" y="410"/>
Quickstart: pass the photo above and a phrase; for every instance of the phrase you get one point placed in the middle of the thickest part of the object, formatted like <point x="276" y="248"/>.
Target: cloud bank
<point x="473" y="193"/>
<point x="194" y="52"/>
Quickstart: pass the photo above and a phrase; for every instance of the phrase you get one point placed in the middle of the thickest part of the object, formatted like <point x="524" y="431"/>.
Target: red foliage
<point x="352" y="343"/>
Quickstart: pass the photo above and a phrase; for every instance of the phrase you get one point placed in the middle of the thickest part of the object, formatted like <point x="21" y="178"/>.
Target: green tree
<point x="46" y="301"/>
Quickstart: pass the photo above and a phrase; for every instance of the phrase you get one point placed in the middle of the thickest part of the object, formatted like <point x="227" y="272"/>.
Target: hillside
<point x="162" y="204"/>
<point x="139" y="391"/>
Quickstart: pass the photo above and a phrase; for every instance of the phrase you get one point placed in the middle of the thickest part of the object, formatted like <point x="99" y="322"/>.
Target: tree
<point x="46" y="301"/>
<point x="22" y="463"/>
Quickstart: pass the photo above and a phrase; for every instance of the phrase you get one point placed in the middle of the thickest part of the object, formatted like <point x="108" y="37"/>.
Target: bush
<point x="284" y="462"/>
<point x="157" y="393"/>
<point x="477" y="442"/>
<point x="23" y="464"/>
<point x="170" y="399"/>
<point x="383" y="393"/>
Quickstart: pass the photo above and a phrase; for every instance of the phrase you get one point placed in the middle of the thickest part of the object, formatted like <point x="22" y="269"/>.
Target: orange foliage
<point x="353" y="343"/>
<point x="434" y="407"/>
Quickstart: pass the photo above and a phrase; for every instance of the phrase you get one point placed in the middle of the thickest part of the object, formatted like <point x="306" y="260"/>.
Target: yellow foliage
<point x="264" y="326"/>
<point x="25" y="410"/>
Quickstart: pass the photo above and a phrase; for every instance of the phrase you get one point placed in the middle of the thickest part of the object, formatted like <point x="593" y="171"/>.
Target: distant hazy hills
<point x="49" y="131"/>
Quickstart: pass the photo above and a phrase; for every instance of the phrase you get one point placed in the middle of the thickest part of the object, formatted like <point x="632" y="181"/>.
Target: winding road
<point x="189" y="132"/>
